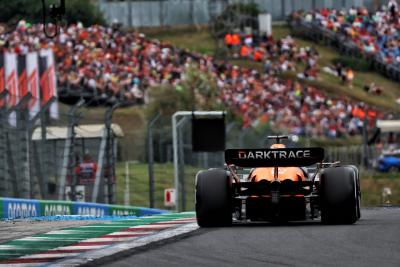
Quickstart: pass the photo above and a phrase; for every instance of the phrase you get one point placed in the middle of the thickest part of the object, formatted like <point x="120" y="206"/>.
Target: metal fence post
<point x="182" y="163"/>
<point x="126" y="191"/>
<point x="68" y="149"/>
<point x="24" y="178"/>
<point x="31" y="124"/>
<point x="100" y="163"/>
<point x="365" y="143"/>
<point x="150" y="154"/>
<point x="20" y="187"/>
<point x="41" y="150"/>
<point x="3" y="154"/>
<point x="110" y="154"/>
<point x="177" y="156"/>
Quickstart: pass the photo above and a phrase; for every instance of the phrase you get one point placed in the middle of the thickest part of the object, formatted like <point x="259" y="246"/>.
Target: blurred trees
<point x="235" y="16"/>
<point x="31" y="10"/>
<point x="197" y="92"/>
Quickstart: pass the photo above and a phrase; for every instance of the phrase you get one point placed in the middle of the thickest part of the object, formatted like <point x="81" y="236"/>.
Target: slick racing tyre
<point x="213" y="198"/>
<point x="358" y="190"/>
<point x="339" y="195"/>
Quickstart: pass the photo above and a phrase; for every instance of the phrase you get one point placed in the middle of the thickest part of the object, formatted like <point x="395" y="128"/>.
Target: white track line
<point x="130" y="233"/>
<point x="48" y="256"/>
<point x="110" y="239"/>
<point x="8" y="247"/>
<point x="80" y="247"/>
<point x="44" y="238"/>
<point x="68" y="232"/>
<point x="100" y="226"/>
<point x="151" y="226"/>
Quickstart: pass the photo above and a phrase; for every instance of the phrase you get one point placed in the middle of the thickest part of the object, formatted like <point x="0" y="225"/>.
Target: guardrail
<point x="15" y="208"/>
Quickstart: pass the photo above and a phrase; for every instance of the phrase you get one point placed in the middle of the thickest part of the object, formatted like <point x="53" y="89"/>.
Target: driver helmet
<point x="276" y="146"/>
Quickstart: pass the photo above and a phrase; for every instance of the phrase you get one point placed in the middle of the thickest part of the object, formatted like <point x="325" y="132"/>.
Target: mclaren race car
<point x="277" y="185"/>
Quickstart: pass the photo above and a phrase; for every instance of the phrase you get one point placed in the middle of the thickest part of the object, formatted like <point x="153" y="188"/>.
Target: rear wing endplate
<point x="283" y="157"/>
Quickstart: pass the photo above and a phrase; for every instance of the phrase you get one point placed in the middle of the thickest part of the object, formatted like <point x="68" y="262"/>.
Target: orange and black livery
<point x="277" y="184"/>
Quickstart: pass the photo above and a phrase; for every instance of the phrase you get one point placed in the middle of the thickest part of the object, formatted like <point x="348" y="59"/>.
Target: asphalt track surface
<point x="373" y="241"/>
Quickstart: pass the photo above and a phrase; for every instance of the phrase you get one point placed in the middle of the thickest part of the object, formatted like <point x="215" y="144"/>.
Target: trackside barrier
<point x="15" y="208"/>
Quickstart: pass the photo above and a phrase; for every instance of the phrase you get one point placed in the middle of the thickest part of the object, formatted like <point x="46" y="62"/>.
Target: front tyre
<point x="213" y="198"/>
<point x="339" y="195"/>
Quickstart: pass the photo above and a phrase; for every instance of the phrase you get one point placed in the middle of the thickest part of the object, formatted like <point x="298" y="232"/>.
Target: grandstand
<point x="357" y="33"/>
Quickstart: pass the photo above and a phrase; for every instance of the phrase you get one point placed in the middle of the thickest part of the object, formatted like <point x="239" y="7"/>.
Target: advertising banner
<point x="11" y="74"/>
<point x="124" y="211"/>
<point x="14" y="208"/>
<point x="53" y="208"/>
<point x="48" y="80"/>
<point x="22" y="79"/>
<point x="90" y="209"/>
<point x="20" y="208"/>
<point x="32" y="68"/>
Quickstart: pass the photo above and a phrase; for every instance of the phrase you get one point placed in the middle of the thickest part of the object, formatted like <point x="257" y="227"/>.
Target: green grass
<point x="197" y="40"/>
<point x="163" y="179"/>
<point x="372" y="184"/>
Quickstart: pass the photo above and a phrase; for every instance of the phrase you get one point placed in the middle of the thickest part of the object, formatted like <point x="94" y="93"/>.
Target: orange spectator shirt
<point x="245" y="51"/>
<point x="258" y="55"/>
<point x="228" y="39"/>
<point x="235" y="39"/>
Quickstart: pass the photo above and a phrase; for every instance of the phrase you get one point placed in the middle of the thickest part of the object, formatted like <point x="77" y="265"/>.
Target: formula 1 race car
<point x="277" y="185"/>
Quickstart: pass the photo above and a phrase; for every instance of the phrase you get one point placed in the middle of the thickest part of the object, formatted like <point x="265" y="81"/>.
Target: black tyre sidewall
<point x="339" y="195"/>
<point x="213" y="198"/>
<point x="358" y="189"/>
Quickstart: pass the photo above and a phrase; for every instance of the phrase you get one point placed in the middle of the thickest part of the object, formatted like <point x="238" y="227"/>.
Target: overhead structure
<point x="81" y="131"/>
<point x="183" y="115"/>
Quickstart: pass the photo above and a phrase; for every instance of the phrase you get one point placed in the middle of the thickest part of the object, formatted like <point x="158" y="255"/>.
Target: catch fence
<point x="46" y="158"/>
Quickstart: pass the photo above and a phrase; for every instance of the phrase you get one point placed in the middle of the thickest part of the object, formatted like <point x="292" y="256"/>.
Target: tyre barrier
<point x="15" y="208"/>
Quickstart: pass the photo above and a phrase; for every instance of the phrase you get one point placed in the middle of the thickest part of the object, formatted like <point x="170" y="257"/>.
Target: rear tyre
<point x="358" y="190"/>
<point x="213" y="198"/>
<point x="339" y="195"/>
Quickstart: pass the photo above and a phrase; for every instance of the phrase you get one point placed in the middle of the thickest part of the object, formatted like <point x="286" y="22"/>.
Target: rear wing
<point x="283" y="157"/>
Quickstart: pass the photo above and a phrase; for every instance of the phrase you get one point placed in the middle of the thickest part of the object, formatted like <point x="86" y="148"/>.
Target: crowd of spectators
<point x="276" y="55"/>
<point x="111" y="63"/>
<point x="374" y="34"/>
<point x="303" y="110"/>
<point x="106" y="62"/>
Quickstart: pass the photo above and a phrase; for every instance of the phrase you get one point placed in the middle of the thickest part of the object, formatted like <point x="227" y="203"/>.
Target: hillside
<point x="200" y="40"/>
